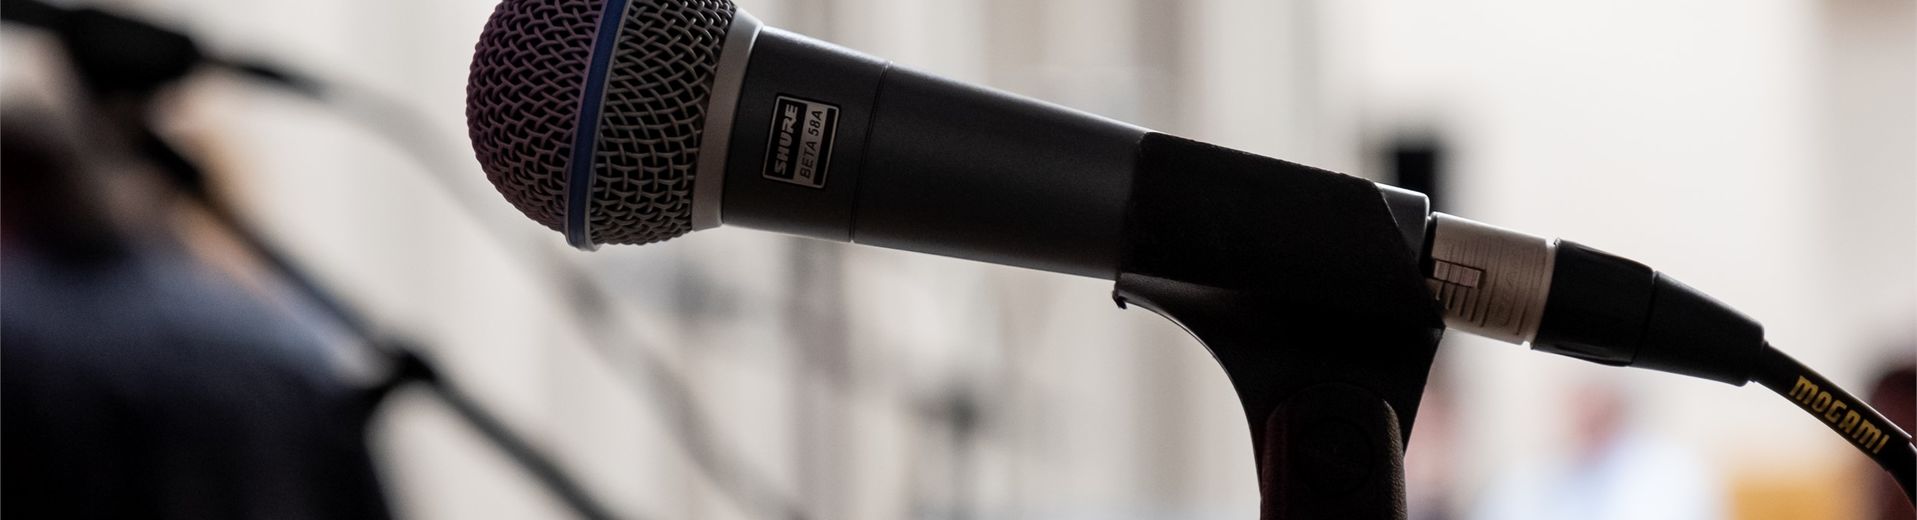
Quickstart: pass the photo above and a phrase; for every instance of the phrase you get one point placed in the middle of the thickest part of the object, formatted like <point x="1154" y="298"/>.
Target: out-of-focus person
<point x="137" y="380"/>
<point x="1612" y="471"/>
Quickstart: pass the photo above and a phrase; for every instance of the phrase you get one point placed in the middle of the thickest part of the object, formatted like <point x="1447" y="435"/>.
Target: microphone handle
<point x="833" y="144"/>
<point x="829" y="143"/>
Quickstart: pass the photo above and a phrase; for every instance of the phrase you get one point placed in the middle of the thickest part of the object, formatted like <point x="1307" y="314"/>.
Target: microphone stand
<point x="1329" y="406"/>
<point x="1302" y="285"/>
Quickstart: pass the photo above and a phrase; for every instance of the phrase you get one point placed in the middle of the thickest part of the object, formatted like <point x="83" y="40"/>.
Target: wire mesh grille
<point x="523" y="100"/>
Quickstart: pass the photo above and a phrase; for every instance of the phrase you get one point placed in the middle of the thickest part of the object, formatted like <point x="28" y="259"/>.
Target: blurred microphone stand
<point x="594" y="306"/>
<point x="406" y="365"/>
<point x="125" y="63"/>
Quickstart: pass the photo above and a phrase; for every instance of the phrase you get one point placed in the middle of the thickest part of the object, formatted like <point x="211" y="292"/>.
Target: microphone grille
<point x="527" y="88"/>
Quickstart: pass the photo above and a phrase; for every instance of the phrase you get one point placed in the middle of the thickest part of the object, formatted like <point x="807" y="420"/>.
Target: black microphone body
<point x="922" y="163"/>
<point x="656" y="119"/>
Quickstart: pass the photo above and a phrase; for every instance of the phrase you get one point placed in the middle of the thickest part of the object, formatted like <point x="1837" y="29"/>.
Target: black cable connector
<point x="1607" y="309"/>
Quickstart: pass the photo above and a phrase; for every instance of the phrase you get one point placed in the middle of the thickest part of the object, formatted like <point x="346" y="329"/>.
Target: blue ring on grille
<point x="581" y="173"/>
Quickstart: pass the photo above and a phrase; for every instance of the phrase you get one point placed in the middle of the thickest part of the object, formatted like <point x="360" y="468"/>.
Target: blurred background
<point x="1763" y="151"/>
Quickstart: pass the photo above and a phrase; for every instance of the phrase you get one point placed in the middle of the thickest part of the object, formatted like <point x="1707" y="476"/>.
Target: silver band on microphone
<point x="709" y="179"/>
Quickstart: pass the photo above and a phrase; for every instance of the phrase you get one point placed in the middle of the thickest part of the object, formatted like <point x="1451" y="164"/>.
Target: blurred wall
<point x="1758" y="150"/>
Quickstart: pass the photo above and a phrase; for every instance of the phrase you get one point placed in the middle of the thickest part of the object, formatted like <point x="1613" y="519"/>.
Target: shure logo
<point x="800" y="148"/>
<point x="782" y="154"/>
<point x="1841" y="415"/>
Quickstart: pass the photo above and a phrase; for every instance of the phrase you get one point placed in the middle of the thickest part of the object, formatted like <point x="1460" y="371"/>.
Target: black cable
<point x="1852" y="418"/>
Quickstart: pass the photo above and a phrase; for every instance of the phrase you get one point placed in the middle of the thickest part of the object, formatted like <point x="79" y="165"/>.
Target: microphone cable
<point x="1853" y="419"/>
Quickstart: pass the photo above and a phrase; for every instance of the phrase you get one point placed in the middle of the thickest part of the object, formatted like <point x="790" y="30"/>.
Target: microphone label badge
<point x="799" y="150"/>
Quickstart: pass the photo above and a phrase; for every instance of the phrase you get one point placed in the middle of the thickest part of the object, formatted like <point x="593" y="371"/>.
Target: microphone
<point x="634" y="122"/>
<point x="638" y="121"/>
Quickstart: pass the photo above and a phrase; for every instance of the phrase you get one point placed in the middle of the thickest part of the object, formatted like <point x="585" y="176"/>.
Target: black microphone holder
<point x="1302" y="285"/>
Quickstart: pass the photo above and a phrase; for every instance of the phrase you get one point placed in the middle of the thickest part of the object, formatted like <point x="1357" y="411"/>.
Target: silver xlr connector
<point x="1492" y="281"/>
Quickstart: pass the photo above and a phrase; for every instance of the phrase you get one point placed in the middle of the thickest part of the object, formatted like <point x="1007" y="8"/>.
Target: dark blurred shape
<point x="138" y="381"/>
<point x="32" y="12"/>
<point x="1895" y="395"/>
<point x="111" y="53"/>
<point x="114" y="54"/>
<point x="46" y="197"/>
<point x="151" y="387"/>
<point x="1417" y="163"/>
